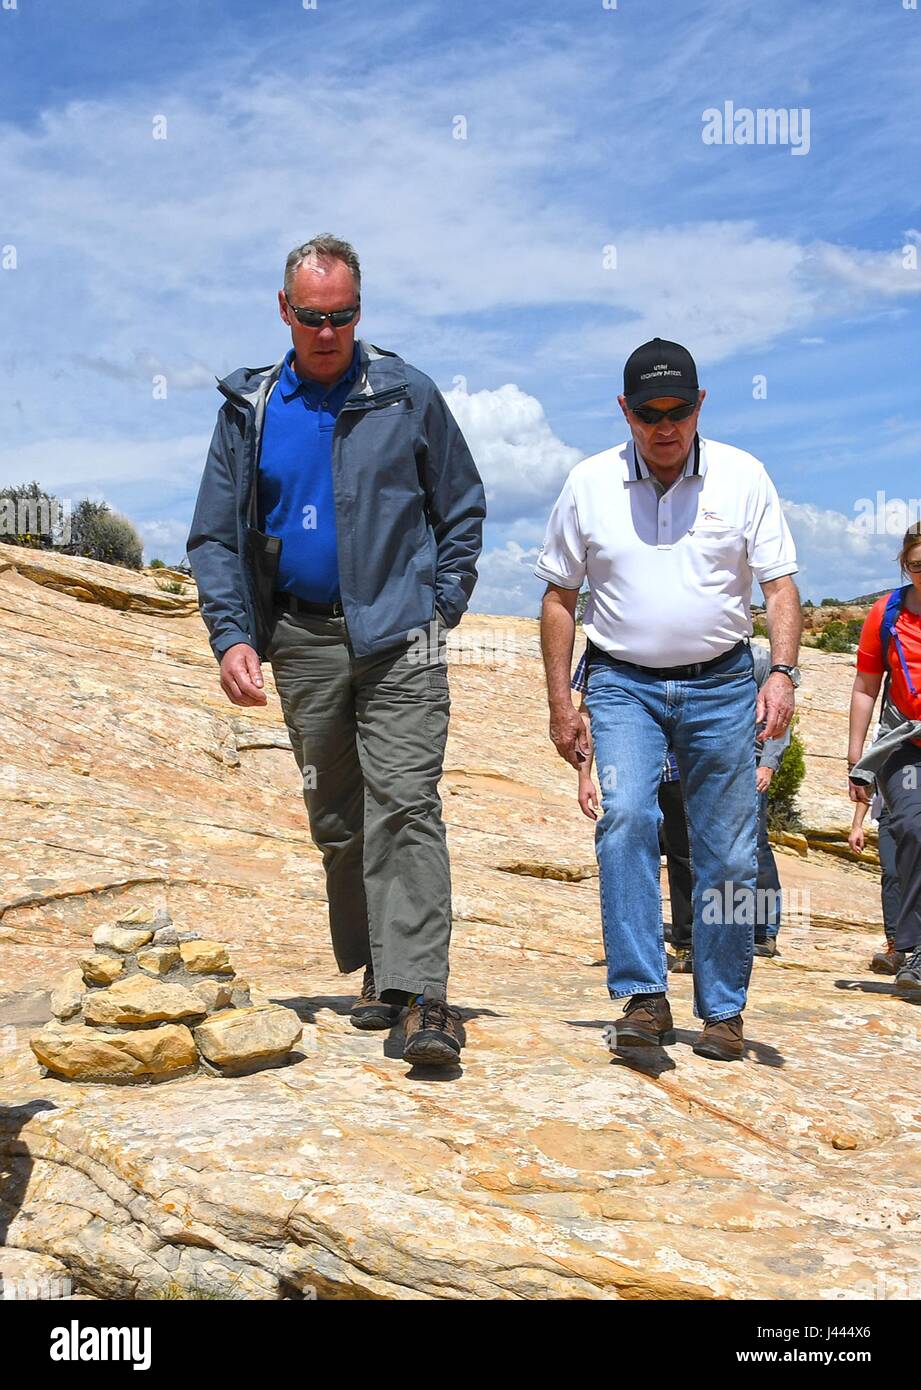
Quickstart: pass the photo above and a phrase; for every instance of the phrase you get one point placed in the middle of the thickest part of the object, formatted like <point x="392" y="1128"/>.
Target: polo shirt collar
<point x="289" y="383"/>
<point x="695" y="465"/>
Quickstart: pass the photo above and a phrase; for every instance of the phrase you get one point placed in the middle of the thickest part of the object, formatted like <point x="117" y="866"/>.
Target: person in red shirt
<point x="894" y="757"/>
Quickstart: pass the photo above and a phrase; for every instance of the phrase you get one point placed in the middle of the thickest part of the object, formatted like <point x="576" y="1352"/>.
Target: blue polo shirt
<point x="295" y="492"/>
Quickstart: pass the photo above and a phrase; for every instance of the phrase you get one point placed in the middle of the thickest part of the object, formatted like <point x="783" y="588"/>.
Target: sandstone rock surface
<point x="149" y="1053"/>
<point x="124" y="939"/>
<point x="99" y="969"/>
<point x="139" y="1000"/>
<point x="67" y="995"/>
<point x="544" y="1167"/>
<point x="205" y="958"/>
<point x="239" y="1039"/>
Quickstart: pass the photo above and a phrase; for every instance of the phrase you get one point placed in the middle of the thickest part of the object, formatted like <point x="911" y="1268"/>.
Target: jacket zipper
<point x="363" y="403"/>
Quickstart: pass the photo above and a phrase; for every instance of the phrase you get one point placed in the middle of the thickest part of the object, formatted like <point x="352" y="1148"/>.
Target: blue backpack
<point x="894" y="605"/>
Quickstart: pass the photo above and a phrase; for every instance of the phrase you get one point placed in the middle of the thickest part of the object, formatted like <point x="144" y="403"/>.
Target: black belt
<point x="293" y="604"/>
<point x="670" y="673"/>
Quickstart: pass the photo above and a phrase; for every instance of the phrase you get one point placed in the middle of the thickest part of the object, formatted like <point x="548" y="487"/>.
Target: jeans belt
<point x="294" y="604"/>
<point x="676" y="673"/>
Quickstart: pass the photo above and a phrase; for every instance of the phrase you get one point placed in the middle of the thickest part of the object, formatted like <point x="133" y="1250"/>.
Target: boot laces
<point x="435" y="1013"/>
<point x="368" y="990"/>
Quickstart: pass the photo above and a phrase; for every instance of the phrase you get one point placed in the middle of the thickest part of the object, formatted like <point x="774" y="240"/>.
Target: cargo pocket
<point x="262" y="554"/>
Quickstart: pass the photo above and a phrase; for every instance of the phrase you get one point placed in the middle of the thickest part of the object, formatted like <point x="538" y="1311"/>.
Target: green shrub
<point x="786" y="782"/>
<point x="581" y="601"/>
<point x="98" y="533"/>
<point x="759" y="629"/>
<point x="839" y="636"/>
<point x="157" y="564"/>
<point x="30" y="516"/>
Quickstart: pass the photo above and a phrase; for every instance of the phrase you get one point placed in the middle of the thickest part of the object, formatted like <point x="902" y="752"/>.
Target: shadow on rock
<point x="15" y="1159"/>
<point x="308" y="1008"/>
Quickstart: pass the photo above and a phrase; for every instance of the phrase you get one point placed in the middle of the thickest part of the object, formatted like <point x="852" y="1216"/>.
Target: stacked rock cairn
<point x="151" y="1003"/>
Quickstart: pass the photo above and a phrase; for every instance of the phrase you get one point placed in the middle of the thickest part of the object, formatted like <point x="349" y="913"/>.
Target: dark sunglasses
<point x="913" y="566"/>
<point x="312" y="318"/>
<point x="651" y="416"/>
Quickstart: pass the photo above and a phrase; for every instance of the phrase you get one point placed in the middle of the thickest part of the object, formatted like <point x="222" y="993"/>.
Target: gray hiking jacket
<point x="409" y="510"/>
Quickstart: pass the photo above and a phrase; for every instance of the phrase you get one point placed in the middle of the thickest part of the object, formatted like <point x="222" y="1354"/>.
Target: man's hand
<point x="588" y="792"/>
<point x="856" y="839"/>
<point x="763" y="777"/>
<point x="568" y="733"/>
<point x="775" y="705"/>
<point x="241" y="675"/>
<point x="860" y="791"/>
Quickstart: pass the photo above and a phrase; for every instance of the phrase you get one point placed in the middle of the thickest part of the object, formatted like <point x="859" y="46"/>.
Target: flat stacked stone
<point x="150" y="1003"/>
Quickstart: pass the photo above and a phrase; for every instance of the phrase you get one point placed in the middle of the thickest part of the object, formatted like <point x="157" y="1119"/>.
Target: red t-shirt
<point x="870" y="656"/>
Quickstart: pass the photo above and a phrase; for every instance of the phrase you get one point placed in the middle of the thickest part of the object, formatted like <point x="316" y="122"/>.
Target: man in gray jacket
<point x="336" y="534"/>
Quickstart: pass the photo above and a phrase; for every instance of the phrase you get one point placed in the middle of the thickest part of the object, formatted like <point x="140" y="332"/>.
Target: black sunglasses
<point x="312" y="318"/>
<point x="650" y="416"/>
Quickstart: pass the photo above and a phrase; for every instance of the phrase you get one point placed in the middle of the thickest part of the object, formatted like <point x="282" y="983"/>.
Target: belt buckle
<point x="337" y="608"/>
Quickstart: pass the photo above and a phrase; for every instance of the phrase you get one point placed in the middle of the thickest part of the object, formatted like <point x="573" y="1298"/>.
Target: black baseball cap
<point x="660" y="368"/>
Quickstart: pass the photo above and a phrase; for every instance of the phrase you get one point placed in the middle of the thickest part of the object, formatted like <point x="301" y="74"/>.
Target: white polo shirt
<point x="669" y="577"/>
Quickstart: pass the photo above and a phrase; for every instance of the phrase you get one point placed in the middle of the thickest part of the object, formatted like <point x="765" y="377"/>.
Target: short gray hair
<point x="324" y="247"/>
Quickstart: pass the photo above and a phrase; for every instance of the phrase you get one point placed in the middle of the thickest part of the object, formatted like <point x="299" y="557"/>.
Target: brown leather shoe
<point x="682" y="962"/>
<point x="889" y="961"/>
<point x="722" y="1041"/>
<point x="369" y="1012"/>
<point x="433" y="1034"/>
<point x="647" y="1022"/>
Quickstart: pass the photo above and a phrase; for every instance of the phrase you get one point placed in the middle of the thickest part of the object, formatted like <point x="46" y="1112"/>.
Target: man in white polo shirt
<point x="669" y="530"/>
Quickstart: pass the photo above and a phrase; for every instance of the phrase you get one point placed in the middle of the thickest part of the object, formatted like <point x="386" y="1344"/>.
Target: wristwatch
<point x="792" y="671"/>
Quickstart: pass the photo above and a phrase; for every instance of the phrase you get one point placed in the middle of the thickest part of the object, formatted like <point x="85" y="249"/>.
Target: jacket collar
<point x="378" y="370"/>
<point x="291" y="385"/>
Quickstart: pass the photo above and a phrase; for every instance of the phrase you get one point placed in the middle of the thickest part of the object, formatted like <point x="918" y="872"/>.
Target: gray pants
<point x="369" y="736"/>
<point x="899" y="780"/>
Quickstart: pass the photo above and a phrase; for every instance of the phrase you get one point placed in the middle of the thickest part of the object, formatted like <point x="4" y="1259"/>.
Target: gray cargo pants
<point x="369" y="736"/>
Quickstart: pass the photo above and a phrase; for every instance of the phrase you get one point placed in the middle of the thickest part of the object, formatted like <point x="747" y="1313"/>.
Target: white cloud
<point x="165" y="539"/>
<point x="83" y="465"/>
<point x="506" y="584"/>
<point x="747" y="291"/>
<point x="838" y="556"/>
<point x="520" y="459"/>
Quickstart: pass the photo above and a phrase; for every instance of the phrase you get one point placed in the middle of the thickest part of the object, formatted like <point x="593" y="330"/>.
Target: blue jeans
<point x="768" y="906"/>
<point x="709" y="721"/>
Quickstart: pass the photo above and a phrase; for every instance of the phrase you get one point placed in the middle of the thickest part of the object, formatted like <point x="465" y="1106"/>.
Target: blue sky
<point x="483" y="258"/>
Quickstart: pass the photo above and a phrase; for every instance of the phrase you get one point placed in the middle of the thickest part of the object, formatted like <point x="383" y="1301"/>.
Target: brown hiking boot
<point x="433" y="1034"/>
<point x="682" y="962"/>
<point x="888" y="961"/>
<point x="369" y="1012"/>
<point x="722" y="1041"/>
<point x="647" y="1022"/>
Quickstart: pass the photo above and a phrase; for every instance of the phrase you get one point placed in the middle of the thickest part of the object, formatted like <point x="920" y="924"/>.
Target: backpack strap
<point x="894" y="605"/>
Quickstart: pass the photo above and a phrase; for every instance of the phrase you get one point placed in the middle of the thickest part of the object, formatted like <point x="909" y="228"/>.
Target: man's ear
<point x="283" y="307"/>
<point x="622" y="402"/>
<point x="700" y="399"/>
